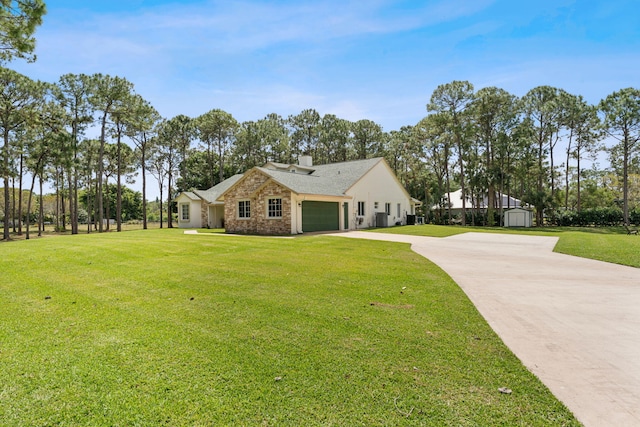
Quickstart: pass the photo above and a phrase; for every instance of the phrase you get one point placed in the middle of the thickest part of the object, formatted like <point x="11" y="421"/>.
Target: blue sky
<point x="373" y="59"/>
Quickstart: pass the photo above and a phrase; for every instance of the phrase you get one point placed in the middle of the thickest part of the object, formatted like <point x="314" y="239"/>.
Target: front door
<point x="345" y="207"/>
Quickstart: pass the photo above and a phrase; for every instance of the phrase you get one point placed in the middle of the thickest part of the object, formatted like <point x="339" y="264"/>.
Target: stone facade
<point x="204" y="214"/>
<point x="258" y="223"/>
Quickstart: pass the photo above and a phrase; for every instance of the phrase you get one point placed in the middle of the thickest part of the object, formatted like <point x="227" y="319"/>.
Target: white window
<point x="387" y="208"/>
<point x="360" y="208"/>
<point x="184" y="212"/>
<point x="244" y="209"/>
<point x="274" y="208"/>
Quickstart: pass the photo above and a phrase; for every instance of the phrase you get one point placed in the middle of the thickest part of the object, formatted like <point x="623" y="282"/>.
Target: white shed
<point x="518" y="218"/>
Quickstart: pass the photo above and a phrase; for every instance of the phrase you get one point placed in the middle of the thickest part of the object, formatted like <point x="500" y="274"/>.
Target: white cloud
<point x="218" y="54"/>
<point x="248" y="25"/>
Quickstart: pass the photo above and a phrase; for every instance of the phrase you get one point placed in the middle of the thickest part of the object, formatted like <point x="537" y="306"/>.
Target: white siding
<point x="216" y="216"/>
<point x="195" y="212"/>
<point x="518" y="218"/>
<point x="379" y="185"/>
<point x="296" y="215"/>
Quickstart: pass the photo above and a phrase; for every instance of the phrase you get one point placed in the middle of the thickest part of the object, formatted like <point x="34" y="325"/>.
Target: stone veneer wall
<point x="204" y="214"/>
<point x="258" y="223"/>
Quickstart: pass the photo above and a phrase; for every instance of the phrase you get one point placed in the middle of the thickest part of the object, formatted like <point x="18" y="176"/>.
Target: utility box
<point x="382" y="219"/>
<point x="518" y="218"/>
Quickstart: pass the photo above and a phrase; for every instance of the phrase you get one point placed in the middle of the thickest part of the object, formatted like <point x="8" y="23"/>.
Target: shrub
<point x="634" y="216"/>
<point x="599" y="217"/>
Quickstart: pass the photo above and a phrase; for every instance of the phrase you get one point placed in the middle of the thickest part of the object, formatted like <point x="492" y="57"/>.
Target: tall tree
<point x="305" y="132"/>
<point x="217" y="130"/>
<point x="589" y="135"/>
<point x="119" y="161"/>
<point x="334" y="139"/>
<point x="72" y="91"/>
<point x="158" y="167"/>
<point x="368" y="138"/>
<point x="452" y="100"/>
<point x="88" y="162"/>
<point x="107" y="95"/>
<point x="581" y="119"/>
<point x="173" y="139"/>
<point x="250" y="149"/>
<point x="198" y="177"/>
<point x="494" y="116"/>
<point x="19" y="97"/>
<point x="621" y="117"/>
<point x="18" y="22"/>
<point x="260" y="142"/>
<point x="276" y="138"/>
<point x="47" y="140"/>
<point x="140" y="126"/>
<point x="19" y="142"/>
<point x="431" y="133"/>
<point x="109" y="169"/>
<point x="124" y="155"/>
<point x="540" y="108"/>
<point x="402" y="151"/>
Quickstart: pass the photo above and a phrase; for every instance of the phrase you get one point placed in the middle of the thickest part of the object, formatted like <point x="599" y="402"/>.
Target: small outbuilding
<point x="518" y="217"/>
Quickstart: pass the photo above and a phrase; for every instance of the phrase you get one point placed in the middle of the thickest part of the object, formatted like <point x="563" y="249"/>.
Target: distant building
<point x="481" y="205"/>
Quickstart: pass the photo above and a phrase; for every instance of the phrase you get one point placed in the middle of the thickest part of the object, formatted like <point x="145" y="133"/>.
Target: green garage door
<point x="320" y="216"/>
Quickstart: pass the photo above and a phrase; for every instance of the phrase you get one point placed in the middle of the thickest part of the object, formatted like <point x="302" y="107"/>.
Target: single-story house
<point x="201" y="209"/>
<point x="508" y="202"/>
<point x="281" y="198"/>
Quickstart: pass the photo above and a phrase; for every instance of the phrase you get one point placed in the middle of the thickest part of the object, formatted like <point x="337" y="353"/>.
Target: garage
<point x="320" y="216"/>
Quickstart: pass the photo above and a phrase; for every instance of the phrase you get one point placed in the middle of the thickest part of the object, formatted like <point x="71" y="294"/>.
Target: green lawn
<point x="160" y="328"/>
<point x="610" y="244"/>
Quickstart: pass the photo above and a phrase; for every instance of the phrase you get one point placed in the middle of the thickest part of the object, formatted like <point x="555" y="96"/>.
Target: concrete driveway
<point x="574" y="322"/>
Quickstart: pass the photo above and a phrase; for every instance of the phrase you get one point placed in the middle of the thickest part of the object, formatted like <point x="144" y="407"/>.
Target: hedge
<point x="599" y="217"/>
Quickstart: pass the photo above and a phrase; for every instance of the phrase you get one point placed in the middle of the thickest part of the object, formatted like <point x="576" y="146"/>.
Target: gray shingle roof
<point x="214" y="192"/>
<point x="191" y="195"/>
<point x="331" y="180"/>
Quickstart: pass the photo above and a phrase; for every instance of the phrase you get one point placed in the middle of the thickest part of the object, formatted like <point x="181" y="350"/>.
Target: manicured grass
<point x="211" y="230"/>
<point x="610" y="244"/>
<point x="616" y="248"/>
<point x="50" y="229"/>
<point x="160" y="328"/>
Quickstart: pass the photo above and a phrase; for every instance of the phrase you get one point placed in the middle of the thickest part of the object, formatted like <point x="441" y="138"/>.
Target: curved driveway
<point x="574" y="322"/>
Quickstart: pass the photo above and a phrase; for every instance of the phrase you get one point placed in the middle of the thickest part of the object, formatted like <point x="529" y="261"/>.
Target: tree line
<point x="491" y="142"/>
<point x="485" y="143"/>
